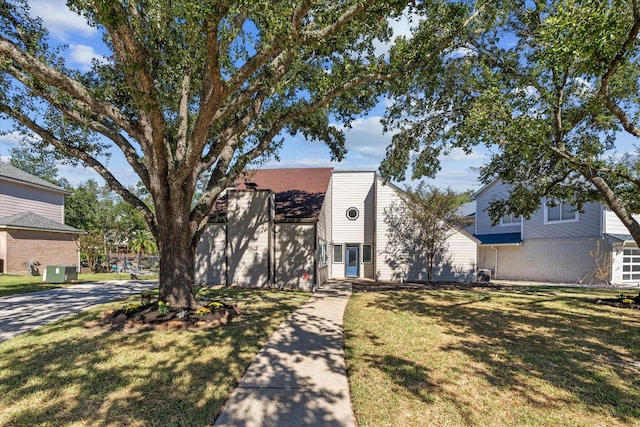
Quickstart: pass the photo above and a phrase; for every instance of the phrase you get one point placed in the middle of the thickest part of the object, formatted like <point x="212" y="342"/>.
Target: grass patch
<point x="523" y="356"/>
<point x="13" y="284"/>
<point x="67" y="374"/>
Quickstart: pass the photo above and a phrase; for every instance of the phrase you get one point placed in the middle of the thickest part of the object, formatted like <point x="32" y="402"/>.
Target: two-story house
<point x="32" y="229"/>
<point x="297" y="228"/>
<point x="556" y="244"/>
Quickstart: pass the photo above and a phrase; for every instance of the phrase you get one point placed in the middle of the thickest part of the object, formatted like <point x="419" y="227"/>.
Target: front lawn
<point x="493" y="356"/>
<point x="69" y="374"/>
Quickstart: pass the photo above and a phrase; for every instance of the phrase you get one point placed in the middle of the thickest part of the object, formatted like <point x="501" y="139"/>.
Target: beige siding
<point x="461" y="260"/>
<point x="549" y="260"/>
<point x="211" y="256"/>
<point x="386" y="195"/>
<point x="17" y="198"/>
<point x="295" y="256"/>
<point x="357" y="190"/>
<point x="23" y="246"/>
<point x="249" y="238"/>
<point x="613" y="225"/>
<point x="324" y="234"/>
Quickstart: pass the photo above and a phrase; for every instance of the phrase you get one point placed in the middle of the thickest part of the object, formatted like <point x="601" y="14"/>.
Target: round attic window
<point x="353" y="214"/>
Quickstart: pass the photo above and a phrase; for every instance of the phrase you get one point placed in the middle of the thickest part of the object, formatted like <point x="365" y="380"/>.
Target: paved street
<point x="25" y="312"/>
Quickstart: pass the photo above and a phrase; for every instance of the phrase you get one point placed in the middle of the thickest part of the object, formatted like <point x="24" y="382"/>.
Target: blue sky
<point x="365" y="141"/>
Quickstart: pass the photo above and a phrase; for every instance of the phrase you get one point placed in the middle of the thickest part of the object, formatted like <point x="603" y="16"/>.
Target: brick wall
<point x="46" y="248"/>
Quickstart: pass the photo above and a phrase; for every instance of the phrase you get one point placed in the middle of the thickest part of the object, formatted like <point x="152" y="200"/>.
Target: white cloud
<point x="83" y="55"/>
<point x="11" y="139"/>
<point x="457" y="154"/>
<point x="366" y="139"/>
<point x="61" y="22"/>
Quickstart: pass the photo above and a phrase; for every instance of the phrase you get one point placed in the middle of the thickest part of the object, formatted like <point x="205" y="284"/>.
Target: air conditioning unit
<point x="483" y="275"/>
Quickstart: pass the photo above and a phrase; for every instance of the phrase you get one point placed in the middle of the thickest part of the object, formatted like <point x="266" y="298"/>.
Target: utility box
<point x="483" y="275"/>
<point x="60" y="274"/>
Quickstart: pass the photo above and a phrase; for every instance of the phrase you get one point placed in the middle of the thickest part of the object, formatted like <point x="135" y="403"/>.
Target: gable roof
<point x="299" y="192"/>
<point x="31" y="221"/>
<point x="12" y="173"/>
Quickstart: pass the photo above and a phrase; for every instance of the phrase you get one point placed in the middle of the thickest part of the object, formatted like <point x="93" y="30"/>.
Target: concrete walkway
<point x="25" y="312"/>
<point x="299" y="377"/>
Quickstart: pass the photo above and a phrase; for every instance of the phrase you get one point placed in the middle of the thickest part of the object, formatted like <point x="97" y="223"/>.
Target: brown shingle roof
<point x="299" y="192"/>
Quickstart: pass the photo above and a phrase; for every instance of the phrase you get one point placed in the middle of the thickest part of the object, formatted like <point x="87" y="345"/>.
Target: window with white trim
<point x="510" y="219"/>
<point x="337" y="253"/>
<point x="560" y="212"/>
<point x="630" y="265"/>
<point x="367" y="254"/>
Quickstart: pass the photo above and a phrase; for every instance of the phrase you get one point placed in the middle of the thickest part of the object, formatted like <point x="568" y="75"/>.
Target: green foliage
<point x="91" y="246"/>
<point x="143" y="241"/>
<point x="546" y="86"/>
<point x="41" y="165"/>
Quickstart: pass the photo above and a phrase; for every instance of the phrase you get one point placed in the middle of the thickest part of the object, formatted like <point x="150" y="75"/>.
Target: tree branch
<point x="613" y="66"/>
<point x="55" y="78"/>
<point x="103" y="127"/>
<point x="87" y="159"/>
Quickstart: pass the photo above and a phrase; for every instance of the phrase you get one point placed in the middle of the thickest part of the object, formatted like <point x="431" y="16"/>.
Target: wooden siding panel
<point x="211" y="263"/>
<point x="494" y="191"/>
<point x="613" y="225"/>
<point x="351" y="189"/>
<point x="249" y="233"/>
<point x="588" y="225"/>
<point x="386" y="195"/>
<point x="295" y="253"/>
<point x="17" y="198"/>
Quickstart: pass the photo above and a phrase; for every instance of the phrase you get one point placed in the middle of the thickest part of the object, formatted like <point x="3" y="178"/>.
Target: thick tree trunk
<point x="175" y="236"/>
<point x="177" y="262"/>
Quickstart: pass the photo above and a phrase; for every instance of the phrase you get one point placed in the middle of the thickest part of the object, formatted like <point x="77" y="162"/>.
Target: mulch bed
<point x="624" y="301"/>
<point x="148" y="317"/>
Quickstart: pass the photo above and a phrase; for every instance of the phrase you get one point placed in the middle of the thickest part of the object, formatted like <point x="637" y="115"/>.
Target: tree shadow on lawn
<point x="65" y="373"/>
<point x="574" y="344"/>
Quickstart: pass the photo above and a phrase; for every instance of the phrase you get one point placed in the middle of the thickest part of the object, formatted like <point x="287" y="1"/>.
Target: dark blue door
<point x="352" y="261"/>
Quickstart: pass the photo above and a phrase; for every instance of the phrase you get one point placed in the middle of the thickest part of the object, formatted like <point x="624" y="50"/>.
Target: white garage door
<point x="631" y="265"/>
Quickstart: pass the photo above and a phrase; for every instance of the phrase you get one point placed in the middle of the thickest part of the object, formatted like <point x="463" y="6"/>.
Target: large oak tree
<point x="194" y="91"/>
<point x="547" y="86"/>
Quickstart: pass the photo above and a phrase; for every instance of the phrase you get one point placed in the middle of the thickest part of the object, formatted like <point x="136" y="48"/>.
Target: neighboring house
<point x="32" y="228"/>
<point x="296" y="228"/>
<point x="557" y="243"/>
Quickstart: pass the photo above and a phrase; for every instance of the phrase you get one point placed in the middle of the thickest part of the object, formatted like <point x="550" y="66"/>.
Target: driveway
<point x="25" y="312"/>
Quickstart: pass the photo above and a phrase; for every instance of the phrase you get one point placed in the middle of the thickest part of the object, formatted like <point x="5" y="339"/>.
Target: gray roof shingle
<point x="14" y="174"/>
<point x="31" y="221"/>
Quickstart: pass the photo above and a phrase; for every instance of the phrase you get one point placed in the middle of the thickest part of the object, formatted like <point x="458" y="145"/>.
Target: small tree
<point x="90" y="244"/>
<point x="420" y="224"/>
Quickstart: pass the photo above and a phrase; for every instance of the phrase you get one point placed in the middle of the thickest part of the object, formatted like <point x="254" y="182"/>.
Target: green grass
<point x="71" y="375"/>
<point x="12" y="284"/>
<point x="512" y="356"/>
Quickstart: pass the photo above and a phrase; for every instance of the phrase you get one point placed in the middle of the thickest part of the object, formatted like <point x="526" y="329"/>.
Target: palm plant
<point x="143" y="241"/>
